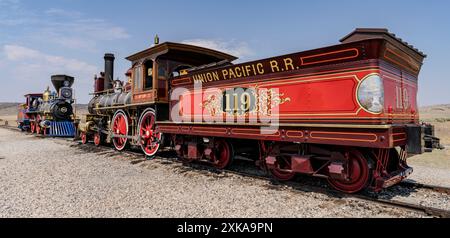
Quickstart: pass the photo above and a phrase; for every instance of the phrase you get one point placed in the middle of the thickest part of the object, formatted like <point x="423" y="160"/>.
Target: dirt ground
<point x="65" y="180"/>
<point x="439" y="116"/>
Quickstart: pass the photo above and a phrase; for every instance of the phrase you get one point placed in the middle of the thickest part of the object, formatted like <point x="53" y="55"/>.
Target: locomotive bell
<point x="46" y="95"/>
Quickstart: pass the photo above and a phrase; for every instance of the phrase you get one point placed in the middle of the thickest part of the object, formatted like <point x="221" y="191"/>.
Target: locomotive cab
<point x="155" y="69"/>
<point x="33" y="101"/>
<point x="28" y="110"/>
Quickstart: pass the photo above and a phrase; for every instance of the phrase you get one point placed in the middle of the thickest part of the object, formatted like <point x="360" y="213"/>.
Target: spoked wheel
<point x="97" y="139"/>
<point x="120" y="129"/>
<point x="150" y="140"/>
<point x="33" y="125"/>
<point x="359" y="174"/>
<point x="83" y="136"/>
<point x="223" y="154"/>
<point x="38" y="127"/>
<point x="279" y="172"/>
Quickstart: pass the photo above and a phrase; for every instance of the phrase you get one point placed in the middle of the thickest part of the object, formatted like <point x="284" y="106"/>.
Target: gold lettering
<point x="209" y="77"/>
<point x="260" y="68"/>
<point x="232" y="74"/>
<point x="274" y="66"/>
<point x="248" y="69"/>
<point x="199" y="78"/>
<point x="254" y="69"/>
<point x="289" y="62"/>
<point x="216" y="76"/>
<point x="225" y="73"/>
<point x="238" y="72"/>
<point x="243" y="71"/>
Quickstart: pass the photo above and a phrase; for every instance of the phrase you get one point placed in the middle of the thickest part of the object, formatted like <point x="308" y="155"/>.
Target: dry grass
<point x="439" y="116"/>
<point x="8" y="112"/>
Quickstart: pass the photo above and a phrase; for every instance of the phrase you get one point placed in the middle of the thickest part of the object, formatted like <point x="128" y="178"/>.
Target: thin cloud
<point x="63" y="13"/>
<point x="28" y="56"/>
<point x="29" y="70"/>
<point x="67" y="28"/>
<point x="9" y="3"/>
<point x="238" y="49"/>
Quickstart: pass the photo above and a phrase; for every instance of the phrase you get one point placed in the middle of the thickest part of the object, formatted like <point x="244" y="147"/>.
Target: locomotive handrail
<point x="101" y="92"/>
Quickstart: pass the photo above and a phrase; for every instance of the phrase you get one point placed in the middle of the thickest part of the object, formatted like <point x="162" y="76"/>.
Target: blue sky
<point x="40" y="38"/>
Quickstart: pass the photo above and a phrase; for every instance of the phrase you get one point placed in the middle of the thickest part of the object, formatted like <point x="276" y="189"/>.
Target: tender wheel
<point x="359" y="174"/>
<point x="120" y="128"/>
<point x="83" y="137"/>
<point x="97" y="139"/>
<point x="223" y="154"/>
<point x="150" y="141"/>
<point x="279" y="172"/>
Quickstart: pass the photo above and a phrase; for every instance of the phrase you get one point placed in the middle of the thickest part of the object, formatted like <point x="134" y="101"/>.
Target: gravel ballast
<point x="55" y="178"/>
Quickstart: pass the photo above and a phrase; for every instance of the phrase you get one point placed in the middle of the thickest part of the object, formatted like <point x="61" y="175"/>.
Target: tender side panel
<point x="326" y="97"/>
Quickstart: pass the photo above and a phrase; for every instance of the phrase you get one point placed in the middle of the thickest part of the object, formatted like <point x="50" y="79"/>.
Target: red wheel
<point x="359" y="174"/>
<point x="279" y="172"/>
<point x="223" y="154"/>
<point x="97" y="139"/>
<point x="83" y="137"/>
<point x="38" y="127"/>
<point x="150" y="141"/>
<point x="32" y="125"/>
<point x="120" y="128"/>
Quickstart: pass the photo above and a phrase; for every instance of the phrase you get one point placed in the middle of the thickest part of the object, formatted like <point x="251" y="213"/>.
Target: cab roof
<point x="34" y="95"/>
<point x="194" y="55"/>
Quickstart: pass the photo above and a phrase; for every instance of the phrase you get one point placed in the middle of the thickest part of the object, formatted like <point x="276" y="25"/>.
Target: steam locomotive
<point x="347" y="113"/>
<point x="50" y="113"/>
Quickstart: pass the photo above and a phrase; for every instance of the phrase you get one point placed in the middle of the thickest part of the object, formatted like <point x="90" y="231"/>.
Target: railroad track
<point x="412" y="184"/>
<point x="431" y="211"/>
<point x="296" y="186"/>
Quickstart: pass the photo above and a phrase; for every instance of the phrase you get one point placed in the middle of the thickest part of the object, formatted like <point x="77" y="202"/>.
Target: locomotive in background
<point x="50" y="113"/>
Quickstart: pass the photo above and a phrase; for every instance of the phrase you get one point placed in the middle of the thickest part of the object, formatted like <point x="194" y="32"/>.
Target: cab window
<point x="137" y="77"/>
<point x="162" y="72"/>
<point x="148" y="84"/>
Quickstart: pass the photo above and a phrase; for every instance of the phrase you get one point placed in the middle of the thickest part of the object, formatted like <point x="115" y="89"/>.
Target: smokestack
<point x="109" y="71"/>
<point x="60" y="81"/>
